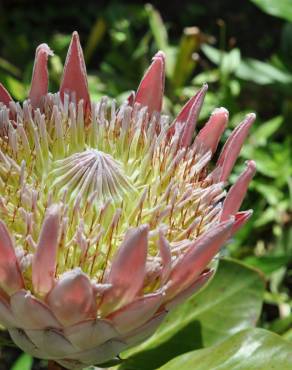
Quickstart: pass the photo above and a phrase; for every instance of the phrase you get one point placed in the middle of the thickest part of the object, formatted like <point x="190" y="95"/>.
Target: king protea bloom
<point x="110" y="216"/>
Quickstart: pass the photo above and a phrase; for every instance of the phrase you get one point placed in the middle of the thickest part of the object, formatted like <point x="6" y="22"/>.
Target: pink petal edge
<point x="44" y="259"/>
<point x="210" y="134"/>
<point x="74" y="76"/>
<point x="10" y="275"/>
<point x="36" y="313"/>
<point x="165" y="254"/>
<point x="241" y="219"/>
<point x="40" y="75"/>
<point x="237" y="192"/>
<point x="192" y="289"/>
<point x="151" y="89"/>
<point x="190" y="114"/>
<point x="5" y="97"/>
<point x="128" y="269"/>
<point x="197" y="257"/>
<point x="136" y="313"/>
<point x="233" y="146"/>
<point x="72" y="299"/>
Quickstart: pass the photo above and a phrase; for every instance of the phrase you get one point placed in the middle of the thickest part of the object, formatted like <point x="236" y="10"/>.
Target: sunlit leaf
<point x="185" y="63"/>
<point x="251" y="349"/>
<point x="268" y="264"/>
<point x="96" y="35"/>
<point x="157" y="27"/>
<point x="212" y="53"/>
<point x="262" y="73"/>
<point x="278" y="8"/>
<point x="230" y="62"/>
<point x="264" y="131"/>
<point x="9" y="67"/>
<point x="248" y="69"/>
<point x="24" y="362"/>
<point x="16" y="88"/>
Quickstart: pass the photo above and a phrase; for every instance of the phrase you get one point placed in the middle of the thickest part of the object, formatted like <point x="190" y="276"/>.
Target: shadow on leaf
<point x="187" y="339"/>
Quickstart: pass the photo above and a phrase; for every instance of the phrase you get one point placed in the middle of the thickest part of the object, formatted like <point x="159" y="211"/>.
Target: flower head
<point x="109" y="216"/>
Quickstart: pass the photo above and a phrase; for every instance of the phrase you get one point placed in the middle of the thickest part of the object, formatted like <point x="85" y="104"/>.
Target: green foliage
<point x="278" y="8"/>
<point x="231" y="302"/>
<point x="255" y="349"/>
<point x="24" y="362"/>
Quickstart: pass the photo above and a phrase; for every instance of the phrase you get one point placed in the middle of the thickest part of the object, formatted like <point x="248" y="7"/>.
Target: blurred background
<point x="242" y="49"/>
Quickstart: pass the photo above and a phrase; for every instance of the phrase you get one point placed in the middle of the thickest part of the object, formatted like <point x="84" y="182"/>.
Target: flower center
<point x="91" y="172"/>
<point x="119" y="171"/>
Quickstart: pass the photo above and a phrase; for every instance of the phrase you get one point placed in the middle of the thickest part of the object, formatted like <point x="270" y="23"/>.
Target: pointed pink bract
<point x="37" y="315"/>
<point x="74" y="76"/>
<point x="189" y="115"/>
<point x="237" y="192"/>
<point x="10" y="275"/>
<point x="210" y="134"/>
<point x="199" y="254"/>
<point x="143" y="332"/>
<point x="189" y="291"/>
<point x="72" y="299"/>
<point x="151" y="88"/>
<point x="136" y="313"/>
<point x="241" y="219"/>
<point x="44" y="260"/>
<point x="5" y="97"/>
<point x="40" y="75"/>
<point x="90" y="333"/>
<point x="233" y="146"/>
<point x="128" y="268"/>
<point x="131" y="98"/>
<point x="165" y="254"/>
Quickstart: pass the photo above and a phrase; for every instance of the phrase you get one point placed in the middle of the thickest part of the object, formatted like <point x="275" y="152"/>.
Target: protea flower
<point x="109" y="216"/>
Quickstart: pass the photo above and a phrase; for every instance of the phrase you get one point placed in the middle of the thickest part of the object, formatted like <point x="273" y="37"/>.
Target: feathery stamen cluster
<point x="121" y="170"/>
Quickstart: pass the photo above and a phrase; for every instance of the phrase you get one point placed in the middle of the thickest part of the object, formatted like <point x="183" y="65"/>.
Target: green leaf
<point x="9" y="67"/>
<point x="246" y="69"/>
<point x="230" y="62"/>
<point x="60" y="42"/>
<point x="277" y="8"/>
<point x="282" y="325"/>
<point x="288" y="335"/>
<point x="160" y="36"/>
<point x="262" y="73"/>
<point x="24" y="362"/>
<point x="263" y="132"/>
<point x="251" y="349"/>
<point x="268" y="264"/>
<point x="157" y="27"/>
<point x="96" y="35"/>
<point x="269" y="191"/>
<point x="15" y="87"/>
<point x="230" y="303"/>
<point x="212" y="53"/>
<point x="185" y="63"/>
